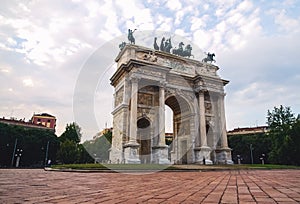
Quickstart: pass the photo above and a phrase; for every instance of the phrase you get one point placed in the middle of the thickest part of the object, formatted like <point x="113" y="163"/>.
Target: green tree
<point x="68" y="152"/>
<point x="84" y="156"/>
<point x="282" y="121"/>
<point x="32" y="142"/>
<point x="240" y="145"/>
<point x="72" y="132"/>
<point x="294" y="143"/>
<point x="99" y="148"/>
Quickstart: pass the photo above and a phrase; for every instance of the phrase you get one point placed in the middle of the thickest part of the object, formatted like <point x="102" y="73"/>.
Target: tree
<point x="72" y="132"/>
<point x="294" y="143"/>
<point x="240" y="145"/>
<point x="32" y="142"/>
<point x="99" y="148"/>
<point x="284" y="134"/>
<point x="84" y="156"/>
<point x="68" y="152"/>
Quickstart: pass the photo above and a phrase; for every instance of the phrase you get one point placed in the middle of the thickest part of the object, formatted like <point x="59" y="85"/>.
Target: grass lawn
<point x="168" y="167"/>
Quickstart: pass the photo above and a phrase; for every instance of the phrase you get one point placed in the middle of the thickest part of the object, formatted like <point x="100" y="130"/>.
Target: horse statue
<point x="155" y="45"/>
<point x="209" y="58"/>
<point x="162" y="44"/>
<point x="122" y="45"/>
<point x="179" y="50"/>
<point x="130" y="36"/>
<point x="187" y="51"/>
<point x="168" y="45"/>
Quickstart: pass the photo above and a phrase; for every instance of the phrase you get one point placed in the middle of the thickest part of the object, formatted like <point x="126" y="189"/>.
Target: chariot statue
<point x="186" y="52"/>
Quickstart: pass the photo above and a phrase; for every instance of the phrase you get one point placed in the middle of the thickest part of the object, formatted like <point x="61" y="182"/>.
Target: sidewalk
<point x="241" y="186"/>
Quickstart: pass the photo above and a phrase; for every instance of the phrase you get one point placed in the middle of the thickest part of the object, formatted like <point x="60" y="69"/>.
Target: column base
<point x="224" y="156"/>
<point x="131" y="155"/>
<point x="160" y="154"/>
<point x="202" y="155"/>
<point x="115" y="156"/>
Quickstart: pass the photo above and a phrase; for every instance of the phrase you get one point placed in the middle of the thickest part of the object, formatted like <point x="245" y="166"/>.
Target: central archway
<point x="179" y="150"/>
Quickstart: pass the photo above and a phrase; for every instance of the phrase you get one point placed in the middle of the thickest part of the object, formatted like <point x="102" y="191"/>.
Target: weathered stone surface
<point x="144" y="82"/>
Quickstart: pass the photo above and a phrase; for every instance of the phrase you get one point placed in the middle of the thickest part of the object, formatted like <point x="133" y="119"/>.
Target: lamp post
<point x="239" y="158"/>
<point x="95" y="155"/>
<point x="262" y="159"/>
<point x="251" y="153"/>
<point x="13" y="154"/>
<point x="46" y="154"/>
<point x="18" y="155"/>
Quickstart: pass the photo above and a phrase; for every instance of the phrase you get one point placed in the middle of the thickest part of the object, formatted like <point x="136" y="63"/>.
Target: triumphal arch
<point x="147" y="80"/>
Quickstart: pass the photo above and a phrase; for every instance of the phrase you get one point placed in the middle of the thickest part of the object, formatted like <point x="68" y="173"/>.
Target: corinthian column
<point x="162" y="141"/>
<point x="202" y="152"/>
<point x="203" y="139"/>
<point x="133" y="111"/>
<point x="224" y="143"/>
<point x="160" y="152"/>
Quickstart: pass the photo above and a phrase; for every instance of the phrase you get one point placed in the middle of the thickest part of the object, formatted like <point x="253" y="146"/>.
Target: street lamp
<point x="13" y="154"/>
<point x="95" y="157"/>
<point x="251" y="153"/>
<point x="262" y="159"/>
<point x="46" y="155"/>
<point x="18" y="155"/>
<point x="239" y="158"/>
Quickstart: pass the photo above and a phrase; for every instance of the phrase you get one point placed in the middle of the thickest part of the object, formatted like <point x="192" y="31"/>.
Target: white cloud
<point x="174" y="5"/>
<point x="202" y="38"/>
<point x="166" y="25"/>
<point x="28" y="82"/>
<point x="181" y="32"/>
<point x="5" y="70"/>
<point x="286" y="23"/>
<point x="245" y="6"/>
<point x="135" y="13"/>
<point x="55" y="38"/>
<point x="198" y="23"/>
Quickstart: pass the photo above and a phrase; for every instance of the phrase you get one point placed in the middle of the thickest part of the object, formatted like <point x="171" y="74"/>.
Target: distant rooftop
<point x="22" y="122"/>
<point x="248" y="130"/>
<point x="44" y="114"/>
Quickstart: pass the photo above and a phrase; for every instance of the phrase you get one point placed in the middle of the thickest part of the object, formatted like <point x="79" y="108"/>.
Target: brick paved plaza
<point x="245" y="186"/>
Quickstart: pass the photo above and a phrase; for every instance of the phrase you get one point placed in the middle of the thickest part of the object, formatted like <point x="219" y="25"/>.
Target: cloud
<point x="174" y="5"/>
<point x="44" y="44"/>
<point x="286" y="23"/>
<point x="28" y="82"/>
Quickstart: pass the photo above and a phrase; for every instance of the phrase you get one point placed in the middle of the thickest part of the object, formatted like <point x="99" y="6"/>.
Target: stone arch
<point x="182" y="131"/>
<point x="144" y="136"/>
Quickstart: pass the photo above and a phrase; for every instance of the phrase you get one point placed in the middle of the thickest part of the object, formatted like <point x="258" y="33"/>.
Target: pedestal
<point x="202" y="155"/>
<point x="224" y="156"/>
<point x="160" y="154"/>
<point x="131" y="155"/>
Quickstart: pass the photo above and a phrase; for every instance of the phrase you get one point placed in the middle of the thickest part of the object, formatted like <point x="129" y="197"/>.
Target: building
<point x="145" y="81"/>
<point x="248" y="130"/>
<point x="23" y="123"/>
<point x="102" y="132"/>
<point x="44" y="119"/>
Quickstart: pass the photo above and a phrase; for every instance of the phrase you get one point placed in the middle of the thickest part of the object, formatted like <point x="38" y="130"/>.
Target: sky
<point x="47" y="49"/>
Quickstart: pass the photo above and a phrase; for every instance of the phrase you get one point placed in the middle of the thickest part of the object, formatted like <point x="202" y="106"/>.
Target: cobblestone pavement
<point x="245" y="186"/>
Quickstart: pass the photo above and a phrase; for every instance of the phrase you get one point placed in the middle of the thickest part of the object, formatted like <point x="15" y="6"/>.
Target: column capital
<point x="162" y="84"/>
<point x="200" y="89"/>
<point x="134" y="79"/>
